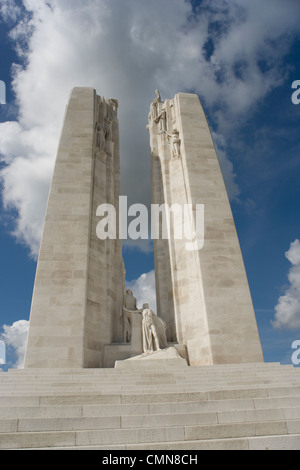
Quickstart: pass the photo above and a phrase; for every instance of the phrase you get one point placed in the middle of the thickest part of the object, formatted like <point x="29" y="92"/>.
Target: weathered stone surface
<point x="78" y="300"/>
<point x="168" y="357"/>
<point x="253" y="406"/>
<point x="202" y="295"/>
<point x="79" y="280"/>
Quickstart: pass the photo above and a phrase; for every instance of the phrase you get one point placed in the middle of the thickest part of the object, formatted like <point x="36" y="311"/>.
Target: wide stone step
<point x="144" y="390"/>
<point x="142" y="380"/>
<point x="186" y="371"/>
<point x="146" y="436"/>
<point x="145" y="420"/>
<point x="76" y="411"/>
<point x="283" y="442"/>
<point x="210" y="372"/>
<point x="160" y="378"/>
<point x="131" y="383"/>
<point x="144" y="396"/>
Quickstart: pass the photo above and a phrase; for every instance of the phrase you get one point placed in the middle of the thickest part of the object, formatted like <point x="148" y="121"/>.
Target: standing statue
<point x="154" y="106"/>
<point x="114" y="105"/>
<point x="100" y="141"/>
<point x="175" y="141"/>
<point x="158" y="97"/>
<point x="150" y="336"/>
<point x="107" y="129"/>
<point x="162" y="121"/>
<point x="129" y="306"/>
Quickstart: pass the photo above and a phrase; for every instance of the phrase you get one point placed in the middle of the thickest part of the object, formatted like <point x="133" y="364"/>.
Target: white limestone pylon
<point x="202" y="295"/>
<point x="78" y="291"/>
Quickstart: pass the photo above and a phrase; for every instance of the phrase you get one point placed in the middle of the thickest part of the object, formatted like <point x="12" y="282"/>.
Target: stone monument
<point x="139" y="392"/>
<point x="82" y="316"/>
<point x="78" y="290"/>
<point x="202" y="294"/>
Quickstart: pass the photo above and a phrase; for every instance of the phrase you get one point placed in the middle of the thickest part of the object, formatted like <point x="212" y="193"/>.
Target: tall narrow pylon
<point x="78" y="289"/>
<point x="202" y="294"/>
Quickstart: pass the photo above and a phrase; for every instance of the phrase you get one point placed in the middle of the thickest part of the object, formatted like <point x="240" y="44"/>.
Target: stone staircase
<point x="249" y="406"/>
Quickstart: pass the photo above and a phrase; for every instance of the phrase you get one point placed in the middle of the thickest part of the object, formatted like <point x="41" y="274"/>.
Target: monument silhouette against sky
<point x="82" y="316"/>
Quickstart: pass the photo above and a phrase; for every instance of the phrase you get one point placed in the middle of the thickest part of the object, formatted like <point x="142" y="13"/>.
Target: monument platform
<point x="232" y="407"/>
<point x="164" y="358"/>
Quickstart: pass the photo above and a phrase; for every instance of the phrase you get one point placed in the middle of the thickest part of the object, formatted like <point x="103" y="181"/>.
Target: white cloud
<point x="9" y="10"/>
<point x="25" y="183"/>
<point x="2" y="353"/>
<point x="144" y="290"/>
<point x="251" y="35"/>
<point x="126" y="50"/>
<point x="287" y="310"/>
<point x="15" y="337"/>
<point x="293" y="254"/>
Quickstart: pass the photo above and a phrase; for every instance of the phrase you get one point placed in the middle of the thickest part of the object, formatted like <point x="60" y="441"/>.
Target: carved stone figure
<point x="175" y="141"/>
<point x="173" y="113"/>
<point x="100" y="142"/>
<point x="101" y="139"/>
<point x="114" y="104"/>
<point x="150" y="336"/>
<point x="128" y="307"/>
<point x="154" y="107"/>
<point x="158" y="98"/>
<point x="162" y="120"/>
<point x="107" y="129"/>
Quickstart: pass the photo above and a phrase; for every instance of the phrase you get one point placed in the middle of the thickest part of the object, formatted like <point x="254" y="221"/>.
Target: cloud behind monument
<point x="127" y="51"/>
<point x="288" y="306"/>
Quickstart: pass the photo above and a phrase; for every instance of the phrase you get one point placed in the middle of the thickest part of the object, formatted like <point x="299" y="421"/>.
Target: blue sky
<point x="241" y="57"/>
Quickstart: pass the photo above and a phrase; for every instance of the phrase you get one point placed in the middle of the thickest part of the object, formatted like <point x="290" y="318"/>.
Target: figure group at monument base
<point x="145" y="337"/>
<point x="152" y="329"/>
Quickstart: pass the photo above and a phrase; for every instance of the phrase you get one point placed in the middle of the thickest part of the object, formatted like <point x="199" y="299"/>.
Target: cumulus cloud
<point x="2" y="353"/>
<point x="25" y="183"/>
<point x="15" y="339"/>
<point x="9" y="10"/>
<point x="144" y="290"/>
<point x="249" y="40"/>
<point x="228" y="52"/>
<point x="287" y="310"/>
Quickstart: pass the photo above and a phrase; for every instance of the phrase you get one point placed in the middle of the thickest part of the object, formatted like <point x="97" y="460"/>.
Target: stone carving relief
<point x="150" y="336"/>
<point x="142" y="326"/>
<point x="175" y="144"/>
<point x="100" y="139"/>
<point x="107" y="128"/>
<point x="158" y="114"/>
<point x="107" y="113"/>
<point x="173" y="113"/>
<point x="162" y="121"/>
<point x="154" y="107"/>
<point x="114" y="104"/>
<point x="129" y="306"/>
